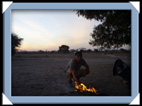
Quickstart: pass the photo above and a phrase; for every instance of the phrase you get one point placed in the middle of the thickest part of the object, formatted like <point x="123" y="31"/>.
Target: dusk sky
<point x="49" y="29"/>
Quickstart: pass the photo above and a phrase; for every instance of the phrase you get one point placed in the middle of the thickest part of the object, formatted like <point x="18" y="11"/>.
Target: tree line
<point x="113" y="32"/>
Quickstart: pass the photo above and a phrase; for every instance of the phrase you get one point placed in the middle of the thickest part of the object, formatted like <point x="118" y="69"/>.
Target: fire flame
<point x="81" y="87"/>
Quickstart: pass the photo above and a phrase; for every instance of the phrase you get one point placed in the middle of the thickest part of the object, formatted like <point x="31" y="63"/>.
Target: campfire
<point x="82" y="88"/>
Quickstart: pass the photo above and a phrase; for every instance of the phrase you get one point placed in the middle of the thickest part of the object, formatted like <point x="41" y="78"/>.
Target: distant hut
<point x="64" y="49"/>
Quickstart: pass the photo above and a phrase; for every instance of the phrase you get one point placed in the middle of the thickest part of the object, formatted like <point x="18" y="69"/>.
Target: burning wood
<point x="81" y="87"/>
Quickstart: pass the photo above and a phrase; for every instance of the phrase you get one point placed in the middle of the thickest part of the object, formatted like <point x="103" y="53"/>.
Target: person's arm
<point x="67" y="66"/>
<point x="73" y="70"/>
<point x="74" y="76"/>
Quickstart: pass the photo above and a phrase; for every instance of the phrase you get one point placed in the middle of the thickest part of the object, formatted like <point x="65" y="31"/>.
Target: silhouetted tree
<point x="81" y="49"/>
<point x="96" y="50"/>
<point x="115" y="29"/>
<point x="41" y="51"/>
<point x="16" y="42"/>
<point x="72" y="50"/>
<point x="64" y="48"/>
<point x="88" y="50"/>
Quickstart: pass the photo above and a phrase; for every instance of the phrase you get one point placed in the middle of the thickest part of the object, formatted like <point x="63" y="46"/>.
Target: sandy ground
<point x="43" y="74"/>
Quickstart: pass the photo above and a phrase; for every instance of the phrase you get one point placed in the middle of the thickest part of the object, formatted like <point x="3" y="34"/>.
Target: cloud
<point x="51" y="29"/>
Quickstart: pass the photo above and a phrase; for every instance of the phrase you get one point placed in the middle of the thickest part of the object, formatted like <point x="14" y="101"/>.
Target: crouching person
<point x="73" y="69"/>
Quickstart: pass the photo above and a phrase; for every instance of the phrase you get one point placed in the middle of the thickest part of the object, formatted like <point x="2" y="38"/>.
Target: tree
<point x="64" y="48"/>
<point x="16" y="42"/>
<point x="115" y="29"/>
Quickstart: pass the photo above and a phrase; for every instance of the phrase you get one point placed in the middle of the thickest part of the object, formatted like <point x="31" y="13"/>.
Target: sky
<point x="48" y="29"/>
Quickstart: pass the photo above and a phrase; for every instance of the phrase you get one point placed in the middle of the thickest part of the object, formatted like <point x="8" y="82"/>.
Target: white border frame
<point x="71" y="99"/>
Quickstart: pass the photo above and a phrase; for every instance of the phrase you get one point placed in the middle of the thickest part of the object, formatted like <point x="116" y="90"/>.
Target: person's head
<point x="78" y="56"/>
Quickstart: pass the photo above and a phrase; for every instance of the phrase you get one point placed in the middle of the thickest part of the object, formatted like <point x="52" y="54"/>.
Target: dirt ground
<point x="42" y="74"/>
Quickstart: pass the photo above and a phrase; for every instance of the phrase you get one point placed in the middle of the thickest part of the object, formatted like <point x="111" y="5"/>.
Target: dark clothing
<point x="74" y="65"/>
